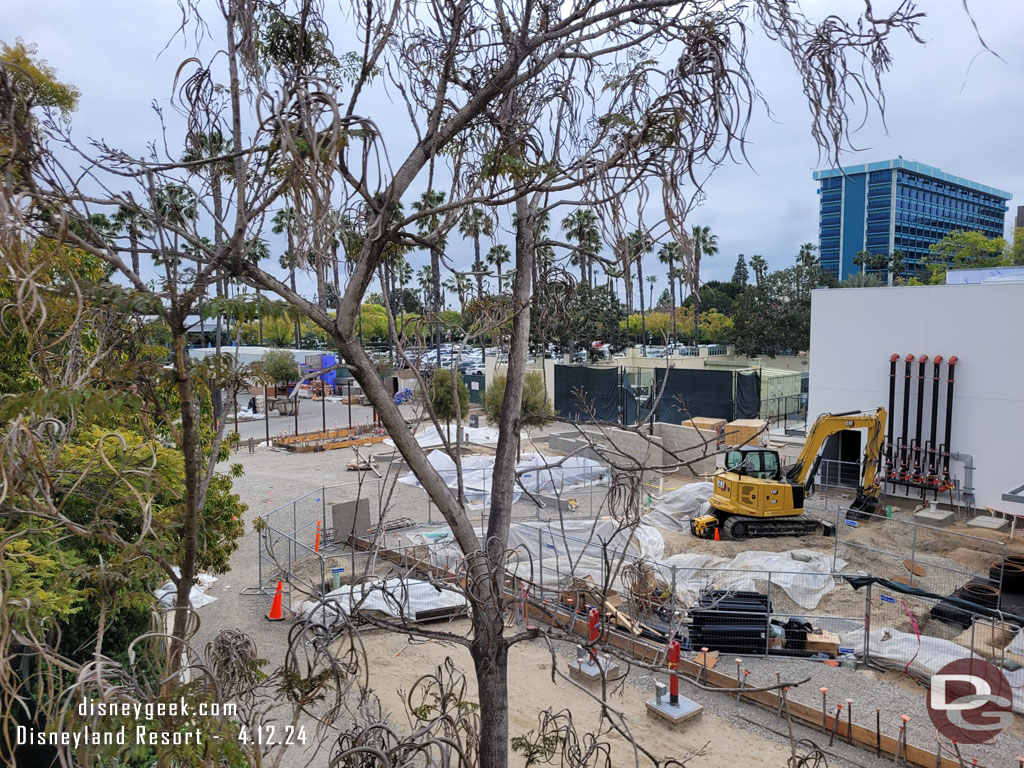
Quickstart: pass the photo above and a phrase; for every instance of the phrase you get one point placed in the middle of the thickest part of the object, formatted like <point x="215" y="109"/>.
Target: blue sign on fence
<point x="845" y="650"/>
<point x="888" y="599"/>
<point x="852" y="523"/>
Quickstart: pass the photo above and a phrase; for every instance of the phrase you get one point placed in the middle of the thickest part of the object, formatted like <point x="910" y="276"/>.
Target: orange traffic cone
<point x="717" y="537"/>
<point x="277" y="609"/>
<point x="316" y="545"/>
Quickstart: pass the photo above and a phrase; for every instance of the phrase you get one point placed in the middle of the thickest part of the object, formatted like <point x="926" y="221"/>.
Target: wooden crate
<point x="746" y="432"/>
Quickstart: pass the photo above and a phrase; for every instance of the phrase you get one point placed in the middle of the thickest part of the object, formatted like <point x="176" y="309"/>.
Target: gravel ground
<point x="272" y="477"/>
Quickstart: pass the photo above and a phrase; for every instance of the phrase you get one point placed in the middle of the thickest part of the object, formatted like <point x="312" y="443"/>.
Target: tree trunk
<point x="133" y="239"/>
<point x="672" y="293"/>
<point x="435" y="289"/>
<point x="490" y="659"/>
<point x="643" y="319"/>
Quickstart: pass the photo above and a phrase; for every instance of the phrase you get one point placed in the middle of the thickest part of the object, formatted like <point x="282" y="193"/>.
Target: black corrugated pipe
<point x="918" y="425"/>
<point x="932" y="463"/>
<point x="903" y="448"/>
<point x="889" y="471"/>
<point x="949" y="419"/>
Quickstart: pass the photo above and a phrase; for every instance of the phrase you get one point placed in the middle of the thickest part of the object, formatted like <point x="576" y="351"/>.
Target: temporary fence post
<point x="540" y="559"/>
<point x="1002" y="574"/>
<point x="323" y="507"/>
<point x="835" y="544"/>
<point x="913" y="554"/>
<point x="867" y="623"/>
<point x="259" y="551"/>
<point x="768" y="618"/>
<point x="295" y="517"/>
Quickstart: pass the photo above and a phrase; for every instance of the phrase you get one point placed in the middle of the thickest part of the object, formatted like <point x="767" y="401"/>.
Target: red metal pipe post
<point x="593" y="631"/>
<point x="673" y="680"/>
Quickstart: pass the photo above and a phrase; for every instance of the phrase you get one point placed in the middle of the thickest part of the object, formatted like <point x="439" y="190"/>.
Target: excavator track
<point x="738" y="528"/>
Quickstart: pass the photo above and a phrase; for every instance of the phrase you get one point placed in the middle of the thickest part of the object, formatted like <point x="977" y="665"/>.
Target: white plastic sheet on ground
<point x="803" y="574"/>
<point x="922" y="656"/>
<point x="398" y="598"/>
<point x="166" y="593"/>
<point x="674" y="510"/>
<point x="429" y="437"/>
<point x="537" y="476"/>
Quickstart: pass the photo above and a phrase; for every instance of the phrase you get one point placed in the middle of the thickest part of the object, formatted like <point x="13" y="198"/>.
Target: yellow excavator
<point x="754" y="497"/>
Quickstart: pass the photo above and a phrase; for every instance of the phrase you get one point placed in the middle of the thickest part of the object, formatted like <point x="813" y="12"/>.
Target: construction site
<point x="693" y="567"/>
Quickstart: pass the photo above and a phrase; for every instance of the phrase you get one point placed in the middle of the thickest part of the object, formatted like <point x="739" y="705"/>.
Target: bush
<point x="536" y="406"/>
<point x="280" y="366"/>
<point x="441" y="399"/>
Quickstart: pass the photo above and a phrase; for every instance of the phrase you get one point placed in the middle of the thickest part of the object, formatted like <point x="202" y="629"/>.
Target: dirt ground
<point x="731" y="739"/>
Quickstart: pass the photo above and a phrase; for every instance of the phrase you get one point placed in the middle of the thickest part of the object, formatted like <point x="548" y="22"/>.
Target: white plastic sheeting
<point x="429" y="437"/>
<point x="537" y="476"/>
<point x="398" y="598"/>
<point x="166" y="593"/>
<point x="803" y="574"/>
<point x="921" y="656"/>
<point x="674" y="510"/>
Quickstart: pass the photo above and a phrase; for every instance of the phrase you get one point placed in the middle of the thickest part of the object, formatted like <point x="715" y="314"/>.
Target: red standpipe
<point x="593" y="632"/>
<point x="673" y="680"/>
<point x="931" y="444"/>
<point x="889" y="471"/>
<point x="918" y="425"/>
<point x="904" y="448"/>
<point x="949" y="423"/>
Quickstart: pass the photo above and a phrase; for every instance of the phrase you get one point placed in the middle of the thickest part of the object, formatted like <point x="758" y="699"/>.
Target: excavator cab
<point x="761" y="463"/>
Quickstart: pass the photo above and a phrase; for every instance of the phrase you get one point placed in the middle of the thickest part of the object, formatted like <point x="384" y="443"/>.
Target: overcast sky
<point x="949" y="104"/>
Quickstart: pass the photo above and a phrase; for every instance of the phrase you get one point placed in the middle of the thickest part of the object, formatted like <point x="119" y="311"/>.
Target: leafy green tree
<point x="442" y="398"/>
<point x="741" y="275"/>
<point x="280" y="366"/>
<point x="670" y="254"/>
<point x="965" y="250"/>
<point x="536" y="407"/>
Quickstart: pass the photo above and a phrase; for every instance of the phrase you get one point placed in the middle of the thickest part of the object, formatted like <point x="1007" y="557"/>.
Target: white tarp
<point x="922" y="656"/>
<point x="167" y="593"/>
<point x="398" y="598"/>
<point x="674" y="510"/>
<point x="429" y="437"/>
<point x="537" y="476"/>
<point x="803" y="574"/>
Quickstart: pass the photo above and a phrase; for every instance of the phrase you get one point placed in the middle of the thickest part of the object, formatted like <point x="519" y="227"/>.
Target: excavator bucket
<point x="862" y="507"/>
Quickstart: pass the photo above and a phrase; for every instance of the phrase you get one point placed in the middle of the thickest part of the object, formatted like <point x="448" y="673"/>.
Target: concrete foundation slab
<point x="686" y="709"/>
<point x="939" y="517"/>
<point x="988" y="523"/>
<point x="589" y="672"/>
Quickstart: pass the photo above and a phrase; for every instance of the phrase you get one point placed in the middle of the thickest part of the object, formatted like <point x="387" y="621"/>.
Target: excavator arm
<point x="829" y="424"/>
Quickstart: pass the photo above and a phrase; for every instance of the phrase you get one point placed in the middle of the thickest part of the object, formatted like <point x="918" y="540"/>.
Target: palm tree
<point x="759" y="267"/>
<point x="132" y="223"/>
<point x="580" y="227"/>
<point x="256" y="249"/>
<point x="474" y="224"/>
<point x="861" y="280"/>
<point x="652" y="280"/>
<point x="206" y="150"/>
<point x="640" y="244"/>
<point x="425" y="278"/>
<point x="703" y="243"/>
<point x="284" y="222"/>
<point x="499" y="254"/>
<point x="624" y="257"/>
<point x="669" y="255"/>
<point x="427" y="204"/>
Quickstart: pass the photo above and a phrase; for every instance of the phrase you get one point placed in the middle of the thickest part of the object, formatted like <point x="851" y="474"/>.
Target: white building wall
<point x="854" y="331"/>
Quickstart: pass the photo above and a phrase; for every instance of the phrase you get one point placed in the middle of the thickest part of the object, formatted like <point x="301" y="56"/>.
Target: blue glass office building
<point x="898" y="205"/>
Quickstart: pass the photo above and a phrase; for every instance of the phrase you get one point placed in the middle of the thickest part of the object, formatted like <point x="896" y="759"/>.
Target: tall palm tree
<point x="580" y="227"/>
<point x="759" y="267"/>
<point x="639" y="244"/>
<point x="499" y="254"/>
<point x="669" y="255"/>
<point x="256" y="249"/>
<point x="474" y="224"/>
<point x="703" y="244"/>
<point x="429" y="201"/>
<point x="425" y="278"/>
<point x="284" y="223"/>
<point x="132" y="223"/>
<point x="207" y="150"/>
<point x="652" y="280"/>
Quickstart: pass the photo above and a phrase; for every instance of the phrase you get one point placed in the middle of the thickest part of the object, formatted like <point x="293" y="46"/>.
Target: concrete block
<point x="989" y="523"/>
<point x="685" y="709"/>
<point x="590" y="672"/>
<point x="936" y="517"/>
<point x="350" y="518"/>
